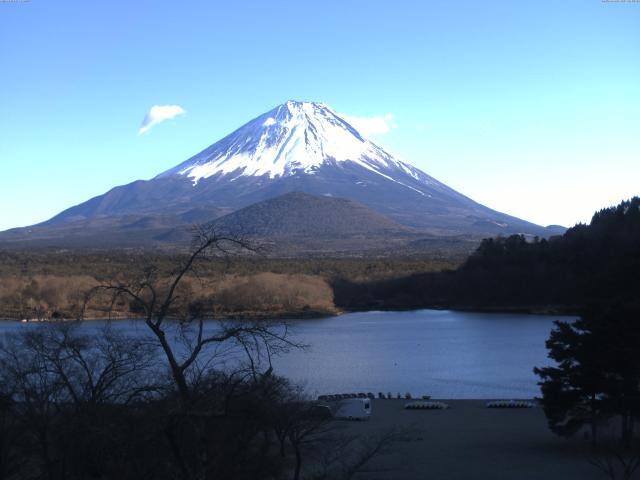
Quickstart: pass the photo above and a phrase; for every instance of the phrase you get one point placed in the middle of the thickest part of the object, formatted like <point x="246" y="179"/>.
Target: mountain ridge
<point x="295" y="147"/>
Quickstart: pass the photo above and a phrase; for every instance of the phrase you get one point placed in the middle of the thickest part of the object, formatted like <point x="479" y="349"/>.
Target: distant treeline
<point x="588" y="264"/>
<point x="54" y="283"/>
<point x="107" y="264"/>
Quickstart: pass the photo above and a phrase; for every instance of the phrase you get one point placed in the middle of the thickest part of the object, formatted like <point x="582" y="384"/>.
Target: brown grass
<point x="40" y="283"/>
<point x="44" y="294"/>
<point x="275" y="292"/>
<point x="267" y="294"/>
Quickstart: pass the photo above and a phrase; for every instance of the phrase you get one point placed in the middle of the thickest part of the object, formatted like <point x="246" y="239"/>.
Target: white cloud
<point x="371" y="126"/>
<point x="159" y="113"/>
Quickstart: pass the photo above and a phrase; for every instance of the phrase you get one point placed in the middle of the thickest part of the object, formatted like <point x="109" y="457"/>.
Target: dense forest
<point x="588" y="264"/>
<point x="54" y="283"/>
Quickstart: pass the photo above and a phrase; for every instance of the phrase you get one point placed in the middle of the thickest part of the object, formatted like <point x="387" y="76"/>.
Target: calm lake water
<point x="444" y="354"/>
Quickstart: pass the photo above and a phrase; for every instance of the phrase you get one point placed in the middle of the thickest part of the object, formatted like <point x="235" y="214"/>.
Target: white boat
<point x="354" y="409"/>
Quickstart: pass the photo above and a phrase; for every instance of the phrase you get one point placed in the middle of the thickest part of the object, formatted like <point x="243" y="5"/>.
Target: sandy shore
<point x="469" y="441"/>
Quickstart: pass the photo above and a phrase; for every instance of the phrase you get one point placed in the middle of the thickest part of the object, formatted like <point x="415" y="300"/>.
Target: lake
<point x="442" y="353"/>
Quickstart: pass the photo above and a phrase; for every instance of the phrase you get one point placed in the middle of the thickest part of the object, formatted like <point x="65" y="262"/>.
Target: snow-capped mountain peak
<point x="297" y="154"/>
<point x="293" y="138"/>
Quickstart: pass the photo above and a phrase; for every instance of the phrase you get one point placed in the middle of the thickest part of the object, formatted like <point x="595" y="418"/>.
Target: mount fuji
<point x="303" y="147"/>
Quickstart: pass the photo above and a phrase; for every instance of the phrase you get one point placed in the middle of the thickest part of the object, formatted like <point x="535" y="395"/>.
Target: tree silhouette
<point x="598" y="371"/>
<point x="159" y="300"/>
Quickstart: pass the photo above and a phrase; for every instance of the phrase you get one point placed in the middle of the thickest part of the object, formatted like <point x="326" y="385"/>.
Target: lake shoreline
<point x="544" y="310"/>
<point x="266" y="316"/>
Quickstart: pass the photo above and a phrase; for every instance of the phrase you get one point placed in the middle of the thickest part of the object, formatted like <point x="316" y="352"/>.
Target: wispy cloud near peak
<point x="371" y="126"/>
<point x="158" y="114"/>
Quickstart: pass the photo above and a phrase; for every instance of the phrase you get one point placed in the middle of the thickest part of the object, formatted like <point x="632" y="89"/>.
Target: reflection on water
<point x="445" y="354"/>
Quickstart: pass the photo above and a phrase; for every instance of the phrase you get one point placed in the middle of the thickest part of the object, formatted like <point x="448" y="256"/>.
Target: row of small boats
<point x="424" y="403"/>
<point x="510" y="404"/>
<point x="418" y="405"/>
<point x="370" y="395"/>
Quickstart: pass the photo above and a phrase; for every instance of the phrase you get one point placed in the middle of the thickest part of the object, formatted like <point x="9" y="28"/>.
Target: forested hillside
<point x="588" y="264"/>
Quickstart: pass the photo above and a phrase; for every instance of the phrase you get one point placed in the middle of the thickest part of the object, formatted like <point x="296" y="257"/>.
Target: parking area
<point x="470" y="441"/>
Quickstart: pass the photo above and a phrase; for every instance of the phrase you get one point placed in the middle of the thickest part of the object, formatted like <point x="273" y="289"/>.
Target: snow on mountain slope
<point x="302" y="147"/>
<point x="294" y="138"/>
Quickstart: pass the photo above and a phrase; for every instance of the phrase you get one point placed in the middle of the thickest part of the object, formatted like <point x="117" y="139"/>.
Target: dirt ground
<point x="469" y="441"/>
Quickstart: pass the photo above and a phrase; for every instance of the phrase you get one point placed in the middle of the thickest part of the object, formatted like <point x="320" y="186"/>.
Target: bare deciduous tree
<point x="57" y="379"/>
<point x="158" y="299"/>
<point x="342" y="456"/>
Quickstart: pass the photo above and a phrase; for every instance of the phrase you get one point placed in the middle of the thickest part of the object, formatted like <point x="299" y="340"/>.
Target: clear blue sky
<point x="530" y="107"/>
